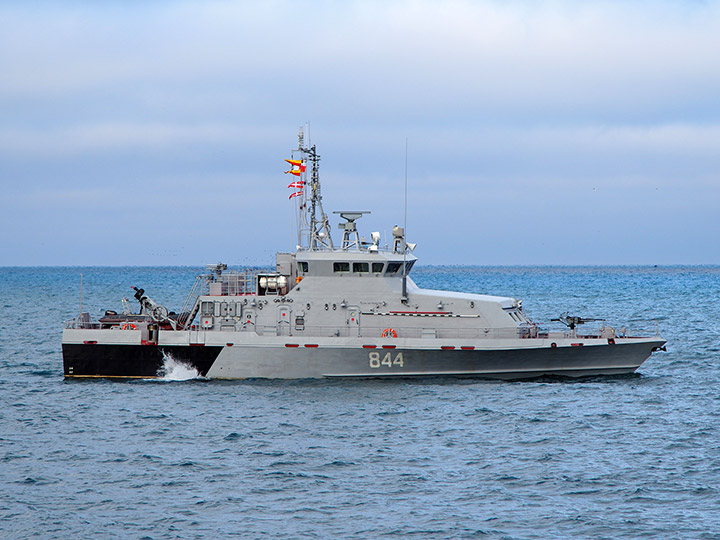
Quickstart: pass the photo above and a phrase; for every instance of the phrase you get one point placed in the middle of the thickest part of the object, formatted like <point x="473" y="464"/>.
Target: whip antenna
<point x="81" y="276"/>
<point x="404" y="277"/>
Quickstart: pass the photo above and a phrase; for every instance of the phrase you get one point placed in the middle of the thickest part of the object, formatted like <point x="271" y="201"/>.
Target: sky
<point x="538" y="133"/>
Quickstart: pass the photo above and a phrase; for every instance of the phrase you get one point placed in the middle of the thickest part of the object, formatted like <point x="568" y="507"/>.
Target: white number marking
<point x="374" y="360"/>
<point x="387" y="360"/>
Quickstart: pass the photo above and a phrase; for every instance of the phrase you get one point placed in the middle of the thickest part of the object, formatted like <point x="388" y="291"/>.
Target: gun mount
<point x="148" y="306"/>
<point x="571" y="321"/>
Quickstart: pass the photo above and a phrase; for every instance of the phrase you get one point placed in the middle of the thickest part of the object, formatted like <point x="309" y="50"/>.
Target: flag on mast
<point x="297" y="163"/>
<point x="297" y="167"/>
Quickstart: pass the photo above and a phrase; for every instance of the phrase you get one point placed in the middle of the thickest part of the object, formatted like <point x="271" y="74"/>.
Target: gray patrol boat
<point x="339" y="311"/>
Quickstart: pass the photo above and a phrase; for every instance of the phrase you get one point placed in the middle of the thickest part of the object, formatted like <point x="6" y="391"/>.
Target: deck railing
<point x="377" y="332"/>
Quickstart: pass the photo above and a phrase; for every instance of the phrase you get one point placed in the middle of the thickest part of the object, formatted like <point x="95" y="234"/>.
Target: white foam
<point x="175" y="370"/>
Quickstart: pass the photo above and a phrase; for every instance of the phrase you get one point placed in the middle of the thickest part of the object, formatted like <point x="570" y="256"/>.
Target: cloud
<point x="91" y="138"/>
<point x="511" y="55"/>
<point x="506" y="105"/>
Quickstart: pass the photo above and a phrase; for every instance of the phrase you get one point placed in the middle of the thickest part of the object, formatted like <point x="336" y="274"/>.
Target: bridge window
<point x="303" y="266"/>
<point x="377" y="267"/>
<point x="393" y="267"/>
<point x="341" y="267"/>
<point x="361" y="267"/>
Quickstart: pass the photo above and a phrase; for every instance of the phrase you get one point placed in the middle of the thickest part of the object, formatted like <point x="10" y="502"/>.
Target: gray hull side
<point x="301" y="362"/>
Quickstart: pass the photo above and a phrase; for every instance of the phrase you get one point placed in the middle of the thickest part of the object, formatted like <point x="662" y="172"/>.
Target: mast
<point x="319" y="226"/>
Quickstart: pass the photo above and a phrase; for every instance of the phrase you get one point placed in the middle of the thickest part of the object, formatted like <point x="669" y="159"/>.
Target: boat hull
<point x="133" y="361"/>
<point x="239" y="356"/>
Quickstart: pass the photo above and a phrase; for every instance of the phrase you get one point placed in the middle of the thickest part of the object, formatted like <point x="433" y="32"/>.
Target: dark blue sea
<point x="606" y="457"/>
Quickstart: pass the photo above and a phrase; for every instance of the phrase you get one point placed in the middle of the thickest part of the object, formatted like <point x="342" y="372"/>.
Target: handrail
<point x="193" y="298"/>
<point x="376" y="332"/>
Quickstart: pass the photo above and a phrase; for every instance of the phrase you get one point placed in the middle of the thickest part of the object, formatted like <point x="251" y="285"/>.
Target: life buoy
<point x="389" y="332"/>
<point x="128" y="326"/>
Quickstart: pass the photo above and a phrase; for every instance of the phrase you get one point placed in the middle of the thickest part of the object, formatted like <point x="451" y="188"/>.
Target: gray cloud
<point x="521" y="117"/>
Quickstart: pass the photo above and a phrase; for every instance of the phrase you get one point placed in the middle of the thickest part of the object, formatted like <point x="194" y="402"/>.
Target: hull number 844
<point x="377" y="360"/>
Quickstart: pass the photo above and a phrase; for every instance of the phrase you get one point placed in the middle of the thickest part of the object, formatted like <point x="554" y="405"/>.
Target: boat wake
<point x="176" y="370"/>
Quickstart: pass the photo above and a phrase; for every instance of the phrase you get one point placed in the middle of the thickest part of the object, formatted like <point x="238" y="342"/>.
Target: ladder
<point x="193" y="300"/>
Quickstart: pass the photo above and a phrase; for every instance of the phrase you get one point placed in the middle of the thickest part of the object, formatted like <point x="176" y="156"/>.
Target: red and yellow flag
<point x="296" y="164"/>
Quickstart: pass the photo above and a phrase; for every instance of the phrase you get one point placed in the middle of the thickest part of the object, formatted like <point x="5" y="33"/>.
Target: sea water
<point x="604" y="457"/>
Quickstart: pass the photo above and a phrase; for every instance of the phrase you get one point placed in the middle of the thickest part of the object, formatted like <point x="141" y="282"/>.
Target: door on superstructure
<point x="353" y="320"/>
<point x="283" y="321"/>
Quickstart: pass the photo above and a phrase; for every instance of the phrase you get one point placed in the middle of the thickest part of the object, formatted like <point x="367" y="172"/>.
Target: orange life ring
<point x="128" y="326"/>
<point x="389" y="332"/>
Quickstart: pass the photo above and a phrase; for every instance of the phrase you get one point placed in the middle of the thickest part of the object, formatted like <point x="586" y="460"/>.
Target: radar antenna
<point x="350" y="238"/>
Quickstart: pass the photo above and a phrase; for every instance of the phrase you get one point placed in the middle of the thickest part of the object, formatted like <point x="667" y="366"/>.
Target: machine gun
<point x="148" y="306"/>
<point x="572" y="321"/>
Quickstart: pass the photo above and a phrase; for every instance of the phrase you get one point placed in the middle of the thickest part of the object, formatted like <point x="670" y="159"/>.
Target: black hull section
<point x="136" y="361"/>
